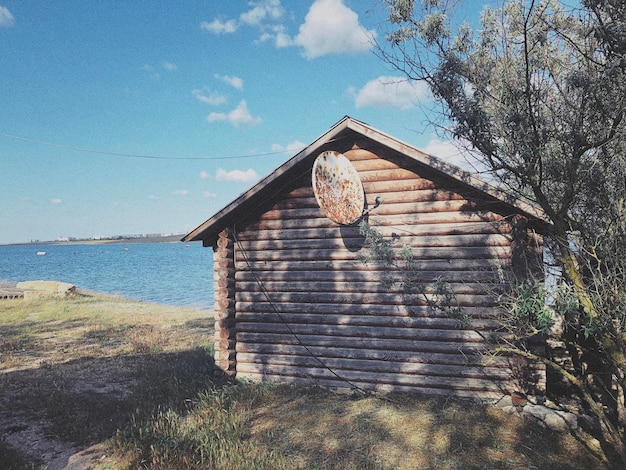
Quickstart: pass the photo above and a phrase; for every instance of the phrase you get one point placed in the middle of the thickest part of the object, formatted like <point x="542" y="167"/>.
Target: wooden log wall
<point x="307" y="307"/>
<point x="224" y="309"/>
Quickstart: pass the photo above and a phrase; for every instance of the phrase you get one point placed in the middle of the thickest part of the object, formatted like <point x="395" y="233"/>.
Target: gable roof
<point x="346" y="131"/>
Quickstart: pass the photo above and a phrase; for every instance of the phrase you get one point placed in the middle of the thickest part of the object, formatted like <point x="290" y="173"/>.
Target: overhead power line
<point x="134" y="155"/>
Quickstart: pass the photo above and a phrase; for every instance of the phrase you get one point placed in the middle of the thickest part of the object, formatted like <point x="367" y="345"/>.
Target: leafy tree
<point x="539" y="91"/>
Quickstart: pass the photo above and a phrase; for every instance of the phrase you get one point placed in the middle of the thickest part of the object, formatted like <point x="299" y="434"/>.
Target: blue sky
<point x="214" y="94"/>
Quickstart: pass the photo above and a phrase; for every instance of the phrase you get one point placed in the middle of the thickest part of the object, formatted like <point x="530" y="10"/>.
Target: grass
<point x="133" y="384"/>
<point x="88" y="365"/>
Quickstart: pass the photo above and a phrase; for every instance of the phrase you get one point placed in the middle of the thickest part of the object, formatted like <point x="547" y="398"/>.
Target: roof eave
<point x="208" y="231"/>
<point x="204" y="233"/>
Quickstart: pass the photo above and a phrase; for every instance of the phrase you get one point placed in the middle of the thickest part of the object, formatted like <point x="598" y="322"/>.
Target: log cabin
<point x="295" y="301"/>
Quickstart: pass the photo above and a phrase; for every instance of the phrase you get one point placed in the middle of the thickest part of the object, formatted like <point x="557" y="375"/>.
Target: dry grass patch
<point x="73" y="371"/>
<point x="90" y="325"/>
<point x="296" y="427"/>
<point x="316" y="428"/>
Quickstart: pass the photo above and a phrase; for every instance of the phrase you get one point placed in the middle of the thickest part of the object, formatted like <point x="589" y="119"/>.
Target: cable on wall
<point x="284" y="322"/>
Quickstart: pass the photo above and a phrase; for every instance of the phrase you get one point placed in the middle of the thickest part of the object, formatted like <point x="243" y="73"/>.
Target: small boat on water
<point x="41" y="253"/>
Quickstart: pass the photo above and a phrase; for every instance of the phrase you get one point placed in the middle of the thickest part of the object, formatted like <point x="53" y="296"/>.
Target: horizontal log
<point x="388" y="188"/>
<point x="414" y="189"/>
<point x="271" y="220"/>
<point x="357" y="243"/>
<point x="365" y="287"/>
<point x="305" y="198"/>
<point x="372" y="354"/>
<point x="224" y="314"/>
<point x="224" y="242"/>
<point x="225" y="356"/>
<point x="226" y="366"/>
<point x="483" y="395"/>
<point x="310" y="271"/>
<point x="443" y="335"/>
<point x="245" y="361"/>
<point x="222" y="263"/>
<point x="426" y="207"/>
<point x="422" y="211"/>
<point x="315" y="218"/>
<point x="395" y="233"/>
<point x="378" y="187"/>
<point x="387" y="175"/>
<point x="224" y="292"/>
<point x="379" y="219"/>
<point x="350" y="309"/>
<point x="225" y="323"/>
<point x="221" y="253"/>
<point x="489" y="370"/>
<point x="372" y="343"/>
<point x="354" y="298"/>
<point x="374" y="164"/>
<point x="383" y="209"/>
<point x="457" y="383"/>
<point x="452" y="264"/>
<point x="223" y="305"/>
<point x="219" y="273"/>
<point x="356" y="154"/>
<point x="501" y="253"/>
<point x="362" y="320"/>
<point x="224" y="333"/>
<point x="224" y="282"/>
<point x="224" y="344"/>
<point x="350" y="271"/>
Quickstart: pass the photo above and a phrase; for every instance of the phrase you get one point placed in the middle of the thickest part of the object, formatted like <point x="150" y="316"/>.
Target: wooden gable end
<point x="299" y="304"/>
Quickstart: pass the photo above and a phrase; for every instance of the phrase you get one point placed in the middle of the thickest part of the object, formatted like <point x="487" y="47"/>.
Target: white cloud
<point x="262" y="10"/>
<point x="6" y="18"/>
<point x="330" y="27"/>
<point x="180" y="192"/>
<point x="394" y="92"/>
<point x="235" y="82"/>
<point x="219" y="27"/>
<point x="56" y="201"/>
<point x="237" y="117"/>
<point x="170" y="67"/>
<point x="154" y="71"/>
<point x="239" y="176"/>
<point x="257" y="16"/>
<point x="211" y="98"/>
<point x="152" y="197"/>
<point x="209" y="194"/>
<point x="294" y="146"/>
<point x="204" y="175"/>
<point x="278" y="34"/>
<point x="282" y="38"/>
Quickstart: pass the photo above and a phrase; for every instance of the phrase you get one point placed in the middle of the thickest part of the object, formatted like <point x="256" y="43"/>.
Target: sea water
<point x="166" y="273"/>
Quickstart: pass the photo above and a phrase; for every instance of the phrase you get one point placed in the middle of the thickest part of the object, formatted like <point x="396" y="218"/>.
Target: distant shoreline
<point x="106" y="241"/>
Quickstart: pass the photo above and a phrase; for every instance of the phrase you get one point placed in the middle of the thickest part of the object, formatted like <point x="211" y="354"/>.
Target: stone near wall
<point x="43" y="289"/>
<point x="555" y="420"/>
<point x="550" y="418"/>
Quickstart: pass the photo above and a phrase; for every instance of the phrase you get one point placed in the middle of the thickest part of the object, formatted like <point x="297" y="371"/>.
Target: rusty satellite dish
<point x="338" y="188"/>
